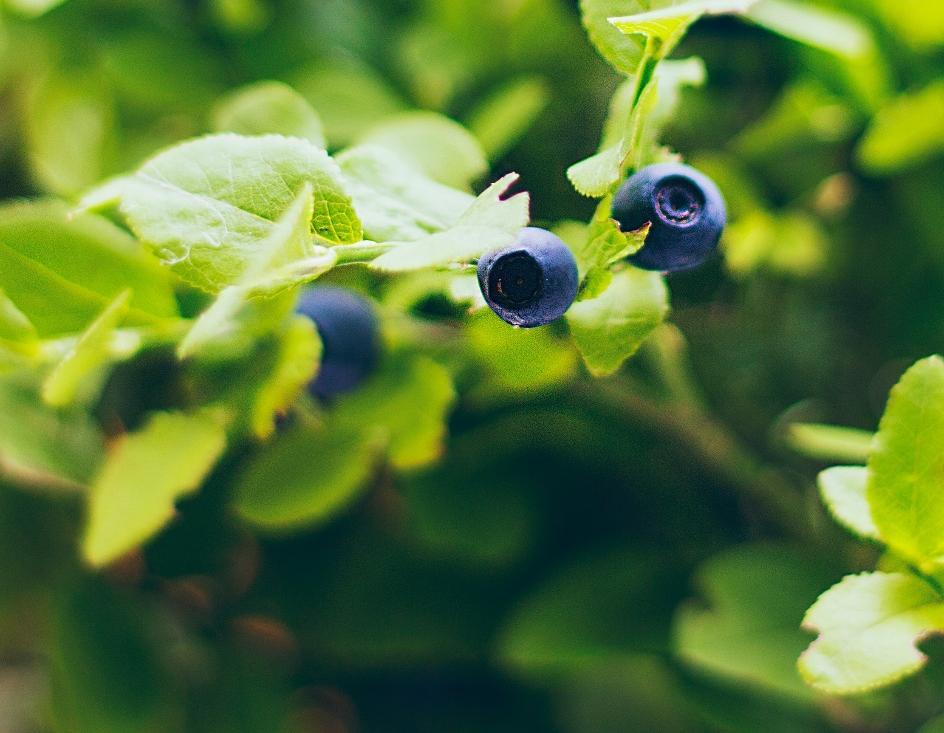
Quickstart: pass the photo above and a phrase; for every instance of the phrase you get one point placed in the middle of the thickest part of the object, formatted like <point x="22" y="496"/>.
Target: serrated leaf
<point x="869" y="626"/>
<point x="305" y="477"/>
<point x="906" y="465"/>
<point x="667" y="25"/>
<point x="42" y="446"/>
<point x="286" y="259"/>
<point x="91" y="351"/>
<point x="299" y="353"/>
<point x="884" y="149"/>
<point x="434" y="145"/>
<point x="408" y="402"/>
<point x="80" y="263"/>
<point x="268" y="107"/>
<point x="206" y="206"/>
<point x="396" y="202"/>
<point x="611" y="327"/>
<point x="830" y="442"/>
<point x="750" y="634"/>
<point x="602" y="245"/>
<point x="145" y="473"/>
<point x="843" y="489"/>
<point x="491" y="222"/>
<point x="502" y="119"/>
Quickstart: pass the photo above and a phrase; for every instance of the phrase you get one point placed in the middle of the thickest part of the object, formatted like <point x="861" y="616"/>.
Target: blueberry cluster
<point x="535" y="280"/>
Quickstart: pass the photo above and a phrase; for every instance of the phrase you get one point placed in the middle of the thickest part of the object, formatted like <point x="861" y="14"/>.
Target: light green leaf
<point x="305" y="478"/>
<point x="602" y="245"/>
<point x="843" y="489"/>
<point x="32" y="8"/>
<point x="14" y="326"/>
<point x="791" y="244"/>
<point x="206" y="206"/>
<point x="750" y="634"/>
<point x="299" y="353"/>
<point x="286" y="259"/>
<point x="133" y="495"/>
<point x="79" y="262"/>
<point x="408" y="402"/>
<point x="869" y="626"/>
<point x="885" y="149"/>
<point x="667" y="25"/>
<point x="622" y="52"/>
<point x="830" y="442"/>
<point x="829" y="30"/>
<point x="268" y="107"/>
<point x="396" y="202"/>
<point x="42" y="446"/>
<point x="436" y="146"/>
<point x="611" y="327"/>
<point x="490" y="223"/>
<point x="918" y="22"/>
<point x="90" y="352"/>
<point x="503" y="118"/>
<point x="907" y="463"/>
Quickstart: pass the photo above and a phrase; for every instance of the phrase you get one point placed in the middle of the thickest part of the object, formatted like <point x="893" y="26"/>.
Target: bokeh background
<point x="627" y="555"/>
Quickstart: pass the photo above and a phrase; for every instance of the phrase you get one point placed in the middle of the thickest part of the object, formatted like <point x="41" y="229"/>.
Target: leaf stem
<point x="352" y="254"/>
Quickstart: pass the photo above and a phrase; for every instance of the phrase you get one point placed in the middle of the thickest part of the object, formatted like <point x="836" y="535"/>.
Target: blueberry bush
<point x="435" y="365"/>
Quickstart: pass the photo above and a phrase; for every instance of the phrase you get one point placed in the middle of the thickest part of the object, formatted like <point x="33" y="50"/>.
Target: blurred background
<point x="586" y="556"/>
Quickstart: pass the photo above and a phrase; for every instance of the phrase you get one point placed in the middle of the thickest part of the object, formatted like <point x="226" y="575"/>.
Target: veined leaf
<point x="869" y="626"/>
<point x="611" y="327"/>
<point x="269" y="107"/>
<point x="667" y="25"/>
<point x="133" y="496"/>
<point x="206" y="206"/>
<point x="843" y="489"/>
<point x="602" y="245"/>
<point x="491" y="222"/>
<point x="907" y="463"/>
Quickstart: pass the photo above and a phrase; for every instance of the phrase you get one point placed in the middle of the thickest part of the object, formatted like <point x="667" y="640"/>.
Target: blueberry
<point x="531" y="282"/>
<point x="685" y="208"/>
<point x="350" y="336"/>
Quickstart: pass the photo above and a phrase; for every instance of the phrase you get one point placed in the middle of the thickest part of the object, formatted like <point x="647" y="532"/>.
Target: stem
<point x="352" y="254"/>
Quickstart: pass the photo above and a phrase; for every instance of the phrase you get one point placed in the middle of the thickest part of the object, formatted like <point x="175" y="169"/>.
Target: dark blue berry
<point x="685" y="208"/>
<point x="350" y="336"/>
<point x="532" y="282"/>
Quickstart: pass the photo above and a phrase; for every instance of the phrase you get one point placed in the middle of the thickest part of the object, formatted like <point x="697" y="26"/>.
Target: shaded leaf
<point x="268" y="107"/>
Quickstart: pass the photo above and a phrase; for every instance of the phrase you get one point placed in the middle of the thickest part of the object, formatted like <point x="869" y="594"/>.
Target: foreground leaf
<point x="623" y="52"/>
<point x="206" y="206"/>
<point x="611" y="327"/>
<point x="843" y="489"/>
<point x="869" y="626"/>
<point x="491" y="222"/>
<point x="907" y="463"/>
<point x="667" y="25"/>
<point x="133" y="496"/>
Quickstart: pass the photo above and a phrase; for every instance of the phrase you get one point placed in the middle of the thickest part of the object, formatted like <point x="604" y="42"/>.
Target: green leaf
<point x="750" y="634"/>
<point x="32" y="8"/>
<point x="602" y="245"/>
<point x="299" y="353"/>
<point x="305" y="477"/>
<point x="14" y="326"/>
<point x="919" y="23"/>
<point x="667" y="25"/>
<point x="42" y="446"/>
<point x="268" y="107"/>
<point x="491" y="222"/>
<point x="622" y="52"/>
<point x="395" y="201"/>
<point x="206" y="206"/>
<point x="791" y="244"/>
<point x="884" y="149"/>
<point x="933" y="726"/>
<point x="92" y="350"/>
<point x="502" y="119"/>
<point x="829" y="30"/>
<point x="829" y="442"/>
<point x="106" y="673"/>
<point x="906" y="465"/>
<point x="286" y="259"/>
<point x="869" y="626"/>
<point x="611" y="327"/>
<point x="434" y="145"/>
<point x="408" y="401"/>
<point x="843" y="489"/>
<point x="81" y="263"/>
<point x="133" y="495"/>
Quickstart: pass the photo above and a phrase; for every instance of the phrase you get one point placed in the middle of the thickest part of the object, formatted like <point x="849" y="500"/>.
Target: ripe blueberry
<point x="532" y="282"/>
<point x="685" y="208"/>
<point x="349" y="334"/>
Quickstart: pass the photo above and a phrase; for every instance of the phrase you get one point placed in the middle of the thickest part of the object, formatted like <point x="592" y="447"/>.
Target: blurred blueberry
<point x="685" y="208"/>
<point x="532" y="282"/>
<point x="350" y="334"/>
